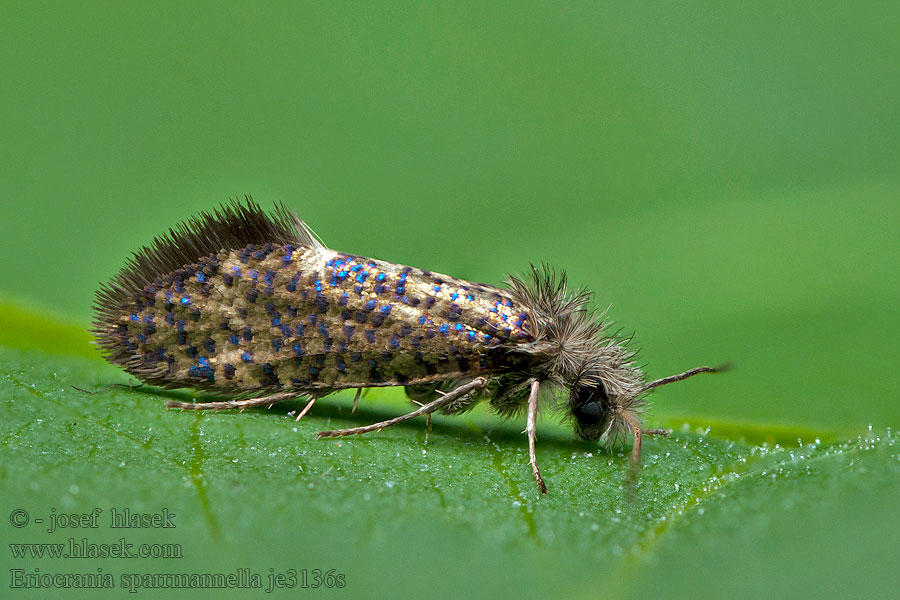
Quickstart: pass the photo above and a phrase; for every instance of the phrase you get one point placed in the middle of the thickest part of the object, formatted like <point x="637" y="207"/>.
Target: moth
<point x="251" y="304"/>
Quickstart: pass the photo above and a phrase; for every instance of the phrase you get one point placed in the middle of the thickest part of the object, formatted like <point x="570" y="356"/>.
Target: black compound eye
<point x="590" y="407"/>
<point x="590" y="413"/>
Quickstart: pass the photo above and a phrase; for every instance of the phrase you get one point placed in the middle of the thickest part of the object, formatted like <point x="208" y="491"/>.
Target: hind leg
<point x="238" y="404"/>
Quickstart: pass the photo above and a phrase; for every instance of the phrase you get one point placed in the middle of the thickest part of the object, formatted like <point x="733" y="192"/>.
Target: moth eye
<point x="589" y="414"/>
<point x="590" y="407"/>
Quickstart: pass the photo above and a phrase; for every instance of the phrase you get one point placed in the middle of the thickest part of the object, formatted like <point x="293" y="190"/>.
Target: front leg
<point x="530" y="429"/>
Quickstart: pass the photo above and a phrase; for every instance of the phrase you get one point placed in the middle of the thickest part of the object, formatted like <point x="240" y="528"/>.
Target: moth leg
<point x="662" y="432"/>
<point x="427" y="416"/>
<point x="309" y="405"/>
<point x="427" y="409"/>
<point x="239" y="404"/>
<point x="107" y="388"/>
<point x="356" y="399"/>
<point x="530" y="429"/>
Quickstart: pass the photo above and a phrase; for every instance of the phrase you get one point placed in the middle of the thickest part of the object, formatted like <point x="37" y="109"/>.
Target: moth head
<point x="596" y="411"/>
<point x="601" y="408"/>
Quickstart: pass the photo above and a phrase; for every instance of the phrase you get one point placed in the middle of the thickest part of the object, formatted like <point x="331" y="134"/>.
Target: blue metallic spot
<point x="236" y="270"/>
<point x="370" y="305"/>
<point x="504" y="318"/>
<point x="253" y="274"/>
<point x="471" y="335"/>
<point x="458" y="327"/>
<point x="487" y="337"/>
<point x="386" y="309"/>
<point x="422" y="320"/>
<point x="362" y="277"/>
<point x="185" y="300"/>
<point x="201" y="277"/>
<point x="276" y="321"/>
<point x="285" y="331"/>
<point x="443" y="328"/>
<point x="298" y="349"/>
<point x="342" y="274"/>
<point x="246" y="357"/>
<point x="269" y="277"/>
<point x="318" y="285"/>
<point x="454" y="296"/>
<point x="234" y="340"/>
<point x="436" y="288"/>
<point x="358" y="289"/>
<point x="380" y="277"/>
<point x="134" y="318"/>
<point x="470" y="297"/>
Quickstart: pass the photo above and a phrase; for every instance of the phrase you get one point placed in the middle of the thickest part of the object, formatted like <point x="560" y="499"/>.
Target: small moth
<point x="252" y="305"/>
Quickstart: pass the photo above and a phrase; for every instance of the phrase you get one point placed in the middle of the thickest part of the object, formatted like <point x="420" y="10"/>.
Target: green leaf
<point x="453" y="511"/>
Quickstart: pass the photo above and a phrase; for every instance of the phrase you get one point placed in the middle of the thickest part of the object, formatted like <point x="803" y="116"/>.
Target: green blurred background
<point x="724" y="177"/>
